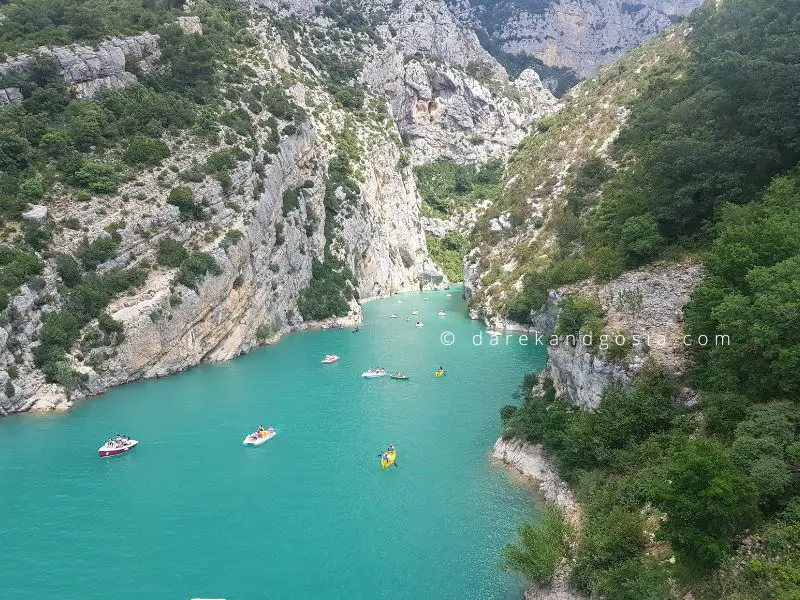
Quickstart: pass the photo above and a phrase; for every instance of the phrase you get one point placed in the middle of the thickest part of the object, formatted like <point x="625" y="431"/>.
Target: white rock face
<point x="573" y="34"/>
<point x="647" y="303"/>
<point x="190" y="25"/>
<point x="88" y="70"/>
<point x="447" y="115"/>
<point x="529" y="460"/>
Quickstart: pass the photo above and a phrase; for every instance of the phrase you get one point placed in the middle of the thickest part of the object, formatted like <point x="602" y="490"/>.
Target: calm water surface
<point x="310" y="514"/>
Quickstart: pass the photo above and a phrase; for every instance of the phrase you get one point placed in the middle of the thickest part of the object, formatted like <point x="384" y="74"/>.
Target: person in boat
<point x="260" y="429"/>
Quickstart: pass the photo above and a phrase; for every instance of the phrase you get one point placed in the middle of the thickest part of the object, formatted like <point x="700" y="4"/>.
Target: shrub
<point x="329" y="291"/>
<point x="170" y="253"/>
<point x="577" y="314"/>
<point x="708" y="502"/>
<point x="540" y="548"/>
<point x="265" y="332"/>
<point x="183" y="198"/>
<point x="98" y="251"/>
<point x="291" y="200"/>
<point x="232" y="238"/>
<point x="96" y="177"/>
<point x="145" y="151"/>
<point x="195" y="268"/>
<point x="606" y="541"/>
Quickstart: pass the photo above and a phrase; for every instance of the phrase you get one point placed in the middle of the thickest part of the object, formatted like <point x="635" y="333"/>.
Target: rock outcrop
<point x="644" y="308"/>
<point x="529" y="462"/>
<point x="87" y="70"/>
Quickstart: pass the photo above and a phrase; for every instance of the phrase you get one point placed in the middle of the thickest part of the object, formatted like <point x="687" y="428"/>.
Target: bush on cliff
<point x="540" y="547"/>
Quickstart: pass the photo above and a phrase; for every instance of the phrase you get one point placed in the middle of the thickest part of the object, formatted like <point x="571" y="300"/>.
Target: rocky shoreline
<point x="528" y="462"/>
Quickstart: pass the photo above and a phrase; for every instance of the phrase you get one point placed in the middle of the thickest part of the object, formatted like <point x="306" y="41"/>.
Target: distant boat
<point x="117" y="446"/>
<point x="420" y="324"/>
<point x="415" y="312"/>
<point x="393" y="316"/>
<point x="329" y="359"/>
<point x="399" y="376"/>
<point x="259" y="437"/>
<point x="370" y="374"/>
<point x="448" y="294"/>
<point x="440" y="313"/>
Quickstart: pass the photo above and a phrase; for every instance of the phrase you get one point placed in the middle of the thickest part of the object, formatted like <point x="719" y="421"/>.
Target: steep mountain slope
<point x="670" y="397"/>
<point x="158" y="229"/>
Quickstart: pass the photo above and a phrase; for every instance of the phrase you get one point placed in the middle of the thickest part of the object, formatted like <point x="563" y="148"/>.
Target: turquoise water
<point x="310" y="514"/>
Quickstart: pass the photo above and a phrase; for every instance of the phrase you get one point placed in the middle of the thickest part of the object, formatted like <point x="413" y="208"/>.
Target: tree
<point x="640" y="238"/>
<point x="708" y="502"/>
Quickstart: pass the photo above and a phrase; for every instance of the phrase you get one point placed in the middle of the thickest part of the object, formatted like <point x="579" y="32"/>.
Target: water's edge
<point x="529" y="463"/>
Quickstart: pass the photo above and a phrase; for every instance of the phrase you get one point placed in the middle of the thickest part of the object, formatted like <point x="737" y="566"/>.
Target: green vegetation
<point x="446" y="187"/>
<point x="183" y="198"/>
<point x="448" y="253"/>
<point x="145" y="151"/>
<point x="170" y="253"/>
<point x="329" y="292"/>
<point x="85" y="301"/>
<point x="16" y="267"/>
<point x="194" y="268"/>
<point x="291" y="200"/>
<point x="540" y="548"/>
<point x="93" y="145"/>
<point x="703" y="133"/>
<point x="751" y="294"/>
<point x="99" y="250"/>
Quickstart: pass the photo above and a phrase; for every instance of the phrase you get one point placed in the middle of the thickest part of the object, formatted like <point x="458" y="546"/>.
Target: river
<point x="310" y="514"/>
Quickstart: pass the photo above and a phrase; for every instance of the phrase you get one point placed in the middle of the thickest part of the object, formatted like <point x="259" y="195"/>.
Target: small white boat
<point x="117" y="446"/>
<point x="372" y="374"/>
<point x="448" y="294"/>
<point x="259" y="437"/>
<point x="393" y="316"/>
<point x="494" y="333"/>
<point x="440" y="313"/>
<point x="415" y="312"/>
<point x="426" y="298"/>
<point x="329" y="359"/>
<point x="420" y="324"/>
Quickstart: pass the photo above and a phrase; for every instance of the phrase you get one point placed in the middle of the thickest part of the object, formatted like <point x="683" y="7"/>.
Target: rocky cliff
<point x="643" y="312"/>
<point x="87" y="70"/>
<point x="579" y="36"/>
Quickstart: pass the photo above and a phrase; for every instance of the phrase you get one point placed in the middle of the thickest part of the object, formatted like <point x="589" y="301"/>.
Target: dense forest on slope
<point x="712" y="128"/>
<point x="707" y="165"/>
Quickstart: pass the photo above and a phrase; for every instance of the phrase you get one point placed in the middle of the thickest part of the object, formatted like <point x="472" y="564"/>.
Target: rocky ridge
<point x="645" y="306"/>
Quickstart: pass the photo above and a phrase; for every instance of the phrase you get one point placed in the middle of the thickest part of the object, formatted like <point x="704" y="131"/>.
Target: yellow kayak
<point x="439" y="373"/>
<point x="387" y="458"/>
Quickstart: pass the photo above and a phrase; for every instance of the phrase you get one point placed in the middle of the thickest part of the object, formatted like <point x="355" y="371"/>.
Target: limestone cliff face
<point x="87" y="70"/>
<point x="576" y="34"/>
<point x="451" y="99"/>
<point x="263" y="270"/>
